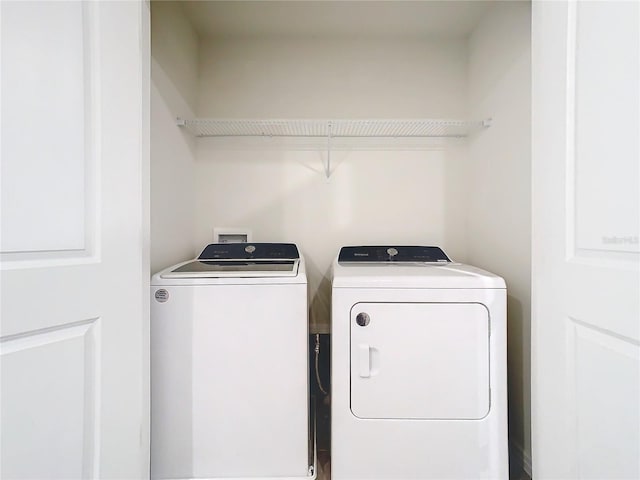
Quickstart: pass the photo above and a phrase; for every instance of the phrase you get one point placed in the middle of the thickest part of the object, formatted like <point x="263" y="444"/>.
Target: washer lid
<point x="240" y="260"/>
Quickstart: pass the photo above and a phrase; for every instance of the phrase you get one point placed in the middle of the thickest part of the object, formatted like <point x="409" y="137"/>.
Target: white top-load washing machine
<point x="229" y="365"/>
<point x="418" y="367"/>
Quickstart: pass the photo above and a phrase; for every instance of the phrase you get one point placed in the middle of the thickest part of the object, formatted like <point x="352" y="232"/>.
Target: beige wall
<point x="399" y="197"/>
<point x="174" y="73"/>
<point x="300" y="77"/>
<point x="394" y="194"/>
<point x="499" y="218"/>
<point x="174" y="46"/>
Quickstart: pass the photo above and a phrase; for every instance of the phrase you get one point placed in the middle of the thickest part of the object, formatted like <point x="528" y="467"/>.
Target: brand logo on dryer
<point x="161" y="295"/>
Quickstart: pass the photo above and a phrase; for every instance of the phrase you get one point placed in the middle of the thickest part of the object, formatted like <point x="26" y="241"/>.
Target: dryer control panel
<point x="383" y="254"/>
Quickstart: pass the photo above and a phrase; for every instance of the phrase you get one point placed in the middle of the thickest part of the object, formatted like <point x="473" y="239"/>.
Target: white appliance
<point x="229" y="365"/>
<point x="418" y="367"/>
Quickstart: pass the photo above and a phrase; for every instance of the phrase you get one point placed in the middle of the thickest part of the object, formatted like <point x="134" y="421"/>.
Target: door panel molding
<point x="28" y="240"/>
<point x="601" y="221"/>
<point x="592" y="355"/>
<point x="570" y="132"/>
<point x="39" y="411"/>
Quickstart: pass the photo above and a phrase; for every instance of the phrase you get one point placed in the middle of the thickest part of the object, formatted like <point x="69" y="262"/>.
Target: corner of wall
<point x="175" y="48"/>
<point x="173" y="93"/>
<point x="499" y="199"/>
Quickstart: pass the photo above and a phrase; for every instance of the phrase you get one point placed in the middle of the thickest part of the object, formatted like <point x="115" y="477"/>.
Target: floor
<point x="324" y="467"/>
<point x="323" y="437"/>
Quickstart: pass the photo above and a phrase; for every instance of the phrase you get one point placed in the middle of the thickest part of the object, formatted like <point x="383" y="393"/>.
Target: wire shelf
<point x="416" y="128"/>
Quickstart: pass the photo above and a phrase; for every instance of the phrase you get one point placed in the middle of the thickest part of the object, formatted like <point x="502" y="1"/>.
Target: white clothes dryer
<point x="229" y="366"/>
<point x="418" y="367"/>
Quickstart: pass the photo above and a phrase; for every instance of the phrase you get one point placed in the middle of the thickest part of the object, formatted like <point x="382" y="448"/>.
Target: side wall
<point x="499" y="216"/>
<point x="174" y="73"/>
<point x="393" y="193"/>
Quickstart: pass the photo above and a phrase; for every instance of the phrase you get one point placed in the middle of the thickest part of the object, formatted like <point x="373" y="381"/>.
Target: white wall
<point x="391" y="195"/>
<point x="499" y="197"/>
<point x="298" y="77"/>
<point x="175" y="47"/>
<point x="174" y="73"/>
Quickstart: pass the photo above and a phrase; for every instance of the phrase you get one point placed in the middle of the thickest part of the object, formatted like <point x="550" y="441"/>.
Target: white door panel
<point x="420" y="360"/>
<point x="605" y="370"/>
<point x="586" y="288"/>
<point x="74" y="267"/>
<point x="49" y="403"/>
<point x="53" y="111"/>
<point x="603" y="84"/>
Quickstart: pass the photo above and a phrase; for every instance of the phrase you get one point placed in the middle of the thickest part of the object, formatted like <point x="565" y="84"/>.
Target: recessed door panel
<point x="420" y="360"/>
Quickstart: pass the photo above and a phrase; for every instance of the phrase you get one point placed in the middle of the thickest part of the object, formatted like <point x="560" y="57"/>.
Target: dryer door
<point x="420" y="360"/>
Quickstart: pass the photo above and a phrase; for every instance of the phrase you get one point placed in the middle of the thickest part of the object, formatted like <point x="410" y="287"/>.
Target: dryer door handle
<point x="364" y="360"/>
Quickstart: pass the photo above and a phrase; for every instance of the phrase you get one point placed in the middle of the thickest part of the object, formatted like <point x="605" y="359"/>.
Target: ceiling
<point x="338" y="18"/>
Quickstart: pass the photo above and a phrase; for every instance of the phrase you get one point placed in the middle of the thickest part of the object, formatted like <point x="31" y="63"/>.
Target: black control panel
<point x="391" y="253"/>
<point x="236" y="251"/>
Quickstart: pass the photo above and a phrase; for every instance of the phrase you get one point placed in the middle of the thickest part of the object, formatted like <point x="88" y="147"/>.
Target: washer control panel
<point x="396" y="253"/>
<point x="242" y="251"/>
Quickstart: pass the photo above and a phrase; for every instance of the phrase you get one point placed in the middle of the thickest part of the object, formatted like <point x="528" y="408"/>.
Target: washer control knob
<point x="250" y="249"/>
<point x="392" y="252"/>
<point x="363" y="319"/>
